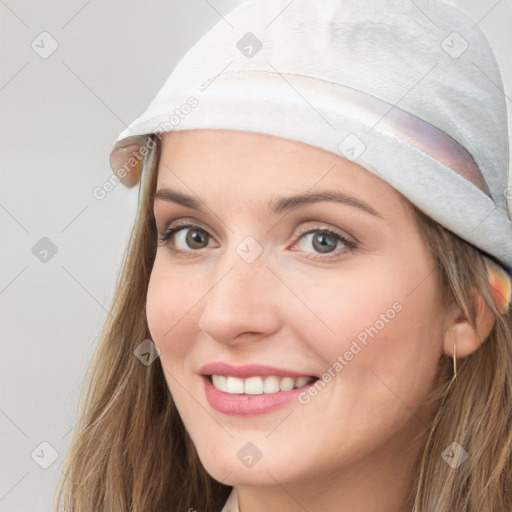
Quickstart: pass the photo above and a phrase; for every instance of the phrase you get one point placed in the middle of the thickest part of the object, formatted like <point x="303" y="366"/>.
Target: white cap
<point x="410" y="91"/>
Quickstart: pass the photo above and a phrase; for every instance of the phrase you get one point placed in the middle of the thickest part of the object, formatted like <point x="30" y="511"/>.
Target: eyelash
<point x="350" y="245"/>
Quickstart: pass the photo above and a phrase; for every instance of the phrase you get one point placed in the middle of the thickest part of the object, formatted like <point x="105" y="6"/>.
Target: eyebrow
<point x="277" y="205"/>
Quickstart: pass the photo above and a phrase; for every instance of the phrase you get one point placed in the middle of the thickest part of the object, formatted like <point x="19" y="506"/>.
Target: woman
<point x="314" y="311"/>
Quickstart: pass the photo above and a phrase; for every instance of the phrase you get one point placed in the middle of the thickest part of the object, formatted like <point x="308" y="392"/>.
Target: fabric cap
<point x="410" y="91"/>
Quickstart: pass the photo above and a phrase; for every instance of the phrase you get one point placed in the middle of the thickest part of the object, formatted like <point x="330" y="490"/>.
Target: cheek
<point x="168" y="309"/>
<point x="382" y="338"/>
<point x="158" y="305"/>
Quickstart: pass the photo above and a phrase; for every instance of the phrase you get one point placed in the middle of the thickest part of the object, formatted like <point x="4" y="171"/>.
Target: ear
<point x="460" y="332"/>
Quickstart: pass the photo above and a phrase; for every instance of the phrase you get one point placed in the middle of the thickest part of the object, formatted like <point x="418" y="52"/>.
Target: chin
<point x="232" y="464"/>
<point x="237" y="475"/>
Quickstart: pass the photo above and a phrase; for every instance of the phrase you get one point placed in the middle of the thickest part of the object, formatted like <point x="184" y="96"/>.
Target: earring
<point x="454" y="361"/>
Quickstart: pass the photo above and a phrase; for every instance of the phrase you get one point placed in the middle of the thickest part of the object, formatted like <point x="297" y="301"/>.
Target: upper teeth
<point x="257" y="385"/>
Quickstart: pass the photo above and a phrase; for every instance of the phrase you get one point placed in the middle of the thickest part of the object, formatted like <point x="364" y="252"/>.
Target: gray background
<point x="59" y="117"/>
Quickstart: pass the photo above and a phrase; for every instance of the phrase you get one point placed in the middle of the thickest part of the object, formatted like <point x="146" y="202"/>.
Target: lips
<point x="251" y="389"/>
<point x="246" y="371"/>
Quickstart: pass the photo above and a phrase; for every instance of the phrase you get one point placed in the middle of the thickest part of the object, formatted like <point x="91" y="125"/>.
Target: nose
<point x="241" y="302"/>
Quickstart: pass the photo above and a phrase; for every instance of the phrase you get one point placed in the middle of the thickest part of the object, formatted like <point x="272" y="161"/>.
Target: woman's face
<point x="289" y="267"/>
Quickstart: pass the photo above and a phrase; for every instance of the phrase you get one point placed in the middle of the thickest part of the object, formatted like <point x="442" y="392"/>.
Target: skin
<point x="352" y="446"/>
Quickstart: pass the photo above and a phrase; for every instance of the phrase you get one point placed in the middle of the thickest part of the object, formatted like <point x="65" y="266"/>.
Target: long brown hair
<point x="131" y="452"/>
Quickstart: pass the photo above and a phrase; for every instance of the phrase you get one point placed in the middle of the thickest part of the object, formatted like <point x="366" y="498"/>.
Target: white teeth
<point x="286" y="384"/>
<point x="234" y="385"/>
<point x="253" y="386"/>
<point x="219" y="381"/>
<point x="257" y="385"/>
<point x="301" y="381"/>
<point x="271" y="385"/>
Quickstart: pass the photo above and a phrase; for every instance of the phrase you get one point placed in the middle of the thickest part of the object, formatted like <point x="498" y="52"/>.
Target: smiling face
<point x="333" y="294"/>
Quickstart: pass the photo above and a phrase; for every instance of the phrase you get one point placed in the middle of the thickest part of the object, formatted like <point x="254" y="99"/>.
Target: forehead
<point x="230" y="163"/>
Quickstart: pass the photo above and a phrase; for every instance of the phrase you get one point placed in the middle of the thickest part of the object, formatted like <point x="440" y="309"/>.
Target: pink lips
<point x="247" y="405"/>
<point x="250" y="370"/>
